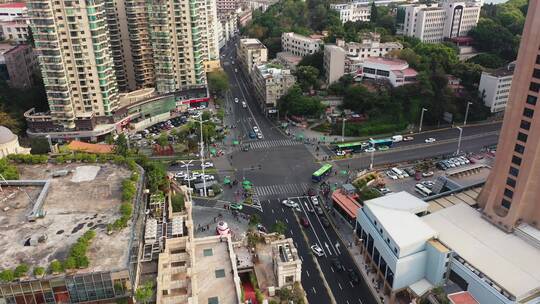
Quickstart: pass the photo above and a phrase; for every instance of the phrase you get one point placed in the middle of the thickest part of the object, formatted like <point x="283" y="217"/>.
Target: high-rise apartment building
<point x="90" y="51"/>
<point x="74" y="50"/>
<point x="510" y="196"/>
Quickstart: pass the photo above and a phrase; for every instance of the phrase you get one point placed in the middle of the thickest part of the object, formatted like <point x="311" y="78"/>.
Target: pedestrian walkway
<point x="273" y="143"/>
<point x="262" y="191"/>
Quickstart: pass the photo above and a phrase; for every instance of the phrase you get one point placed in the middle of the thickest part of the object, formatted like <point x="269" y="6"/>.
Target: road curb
<point x="328" y="289"/>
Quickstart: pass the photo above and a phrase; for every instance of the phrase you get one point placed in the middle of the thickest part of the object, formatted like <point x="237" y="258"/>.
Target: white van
<point x="399" y="173"/>
<point x="397" y="138"/>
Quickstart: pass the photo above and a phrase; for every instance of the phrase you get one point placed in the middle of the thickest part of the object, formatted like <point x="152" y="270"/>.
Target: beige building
<point x="251" y="52"/>
<point x="9" y="143"/>
<point x="287" y="263"/>
<point x="353" y="11"/>
<point x="300" y="45"/>
<point x="510" y="196"/>
<point x="334" y="63"/>
<point x="271" y="81"/>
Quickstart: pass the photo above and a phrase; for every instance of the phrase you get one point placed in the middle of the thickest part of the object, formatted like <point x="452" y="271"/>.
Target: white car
<point x="289" y="203"/>
<point x="179" y="174"/>
<point x="340" y="153"/>
<point x="244" y="104"/>
<point x="430" y="140"/>
<point x="207" y="165"/>
<point x="391" y="175"/>
<point x="189" y="178"/>
<point x="315" y="201"/>
<point x="196" y="174"/>
<point x="317" y="250"/>
<point x="369" y="150"/>
<point x="408" y="138"/>
<point x="256" y="129"/>
<point x="208" y="177"/>
<point x="259" y="135"/>
<point x="236" y="99"/>
<point x="427" y="174"/>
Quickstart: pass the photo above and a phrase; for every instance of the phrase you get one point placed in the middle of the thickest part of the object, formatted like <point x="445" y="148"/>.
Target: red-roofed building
<point x="396" y="71"/>
<point x="10" y="11"/>
<point x="346" y="204"/>
<point x="462" y="297"/>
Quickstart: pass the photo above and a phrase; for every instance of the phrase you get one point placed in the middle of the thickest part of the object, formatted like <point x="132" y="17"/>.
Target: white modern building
<point x="353" y="11"/>
<point x="300" y="45"/>
<point x="251" y="52"/>
<point x="495" y="87"/>
<point x="453" y="247"/>
<point x="261" y="5"/>
<point x="14" y="22"/>
<point x="334" y="63"/>
<point x="395" y="71"/>
<point x="11" y="11"/>
<point x="435" y="22"/>
<point x="228" y="25"/>
<point x="271" y="81"/>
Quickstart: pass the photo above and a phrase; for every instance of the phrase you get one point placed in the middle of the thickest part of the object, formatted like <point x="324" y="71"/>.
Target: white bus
<point x="423" y="190"/>
<point x="398" y="172"/>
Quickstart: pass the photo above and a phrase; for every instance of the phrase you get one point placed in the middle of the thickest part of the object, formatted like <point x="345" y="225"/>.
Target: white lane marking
<point x="307" y="273"/>
<point x="302" y="259"/>
<point x="248" y="107"/>
<point x="272" y="211"/>
<point x="311" y="227"/>
<point x="332" y="269"/>
<point x="360" y="301"/>
<point x="352" y="285"/>
<point x="339" y="286"/>
<point x="286" y="220"/>
<point x="291" y="232"/>
<point x="282" y="210"/>
<point x="314" y="291"/>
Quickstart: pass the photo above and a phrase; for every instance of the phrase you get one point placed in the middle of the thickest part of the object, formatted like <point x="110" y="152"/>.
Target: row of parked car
<point x="453" y="162"/>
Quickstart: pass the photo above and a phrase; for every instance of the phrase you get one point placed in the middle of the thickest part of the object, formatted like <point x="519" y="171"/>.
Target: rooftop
<point x="468" y="197"/>
<point x="13" y="5"/>
<point x="501" y="72"/>
<point x="214" y="270"/>
<point x="462" y="297"/>
<point x="91" y="148"/>
<point x="508" y="260"/>
<point x="347" y="203"/>
<point x="87" y="199"/>
<point x="386" y="61"/>
<point x="396" y="213"/>
<point x="252" y="43"/>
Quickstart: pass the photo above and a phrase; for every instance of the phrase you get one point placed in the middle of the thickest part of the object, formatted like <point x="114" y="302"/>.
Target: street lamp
<point x="466" y="113"/>
<point x="202" y="154"/>
<point x="187" y="164"/>
<point x="343" y="129"/>
<point x="421" y="119"/>
<point x="459" y="139"/>
<point x="372" y="155"/>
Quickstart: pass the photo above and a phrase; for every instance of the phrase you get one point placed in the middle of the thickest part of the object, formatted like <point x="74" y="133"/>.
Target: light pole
<point x="459" y="139"/>
<point x="421" y="119"/>
<point x="466" y="113"/>
<point x="343" y="129"/>
<point x="202" y="153"/>
<point x="372" y="155"/>
<point x="187" y="164"/>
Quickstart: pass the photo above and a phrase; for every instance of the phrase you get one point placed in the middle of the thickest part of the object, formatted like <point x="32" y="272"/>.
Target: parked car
<point x="430" y="140"/>
<point x="304" y="222"/>
<point x="315" y="201"/>
<point x="255" y="128"/>
<point x="391" y="175"/>
<point x="317" y="250"/>
<point x="427" y="174"/>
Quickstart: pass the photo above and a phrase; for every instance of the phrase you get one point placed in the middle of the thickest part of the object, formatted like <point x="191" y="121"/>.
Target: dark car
<point x="353" y="276"/>
<point x="337" y="265"/>
<point x="304" y="222"/>
<point x="319" y="210"/>
<point x="325" y="222"/>
<point x="311" y="192"/>
<point x="252" y="135"/>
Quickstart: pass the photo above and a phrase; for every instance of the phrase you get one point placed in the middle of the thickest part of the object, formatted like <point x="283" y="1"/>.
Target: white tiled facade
<point x="496" y="88"/>
<point x="433" y="23"/>
<point x="270" y="84"/>
<point x="334" y="63"/>
<point x="353" y="11"/>
<point x="300" y="45"/>
<point x="251" y="52"/>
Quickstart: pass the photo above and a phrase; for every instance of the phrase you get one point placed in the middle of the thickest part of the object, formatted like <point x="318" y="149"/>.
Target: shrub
<point x="177" y="202"/>
<point x="128" y="190"/>
<point x="21" y="270"/>
<point x="70" y="263"/>
<point x="8" y="170"/>
<point x="7" y="275"/>
<point x="56" y="267"/>
<point x="126" y="210"/>
<point x="259" y="296"/>
<point x="39" y="271"/>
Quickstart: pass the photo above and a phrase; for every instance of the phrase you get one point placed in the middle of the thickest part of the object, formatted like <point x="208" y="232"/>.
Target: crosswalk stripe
<point x="273" y="143"/>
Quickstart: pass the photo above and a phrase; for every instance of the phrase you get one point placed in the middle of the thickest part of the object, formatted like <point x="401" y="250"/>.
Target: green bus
<point x="354" y="147"/>
<point x="322" y="172"/>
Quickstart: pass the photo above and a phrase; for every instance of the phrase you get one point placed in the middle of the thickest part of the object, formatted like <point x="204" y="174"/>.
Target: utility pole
<point x="421" y="119"/>
<point x="466" y="113"/>
<point x="202" y="155"/>
<point x="343" y="129"/>
<point x="187" y="164"/>
<point x="459" y="139"/>
<point x="372" y="155"/>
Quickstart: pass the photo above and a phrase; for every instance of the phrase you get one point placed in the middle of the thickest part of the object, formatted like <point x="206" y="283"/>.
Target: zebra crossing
<point x="264" y="144"/>
<point x="262" y="191"/>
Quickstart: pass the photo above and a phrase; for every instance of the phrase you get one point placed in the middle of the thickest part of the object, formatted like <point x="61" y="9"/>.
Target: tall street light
<point x="421" y="119"/>
<point x="187" y="164"/>
<point x="467" y="113"/>
<point x="202" y="153"/>
<point x="343" y="129"/>
<point x="459" y="139"/>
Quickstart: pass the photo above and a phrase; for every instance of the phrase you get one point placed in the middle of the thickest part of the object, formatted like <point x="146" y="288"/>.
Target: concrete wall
<point x="435" y="265"/>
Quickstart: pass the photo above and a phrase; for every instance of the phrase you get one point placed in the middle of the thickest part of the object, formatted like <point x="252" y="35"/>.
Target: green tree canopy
<point x="307" y="77"/>
<point x="295" y="103"/>
<point x="490" y="36"/>
<point x="218" y="82"/>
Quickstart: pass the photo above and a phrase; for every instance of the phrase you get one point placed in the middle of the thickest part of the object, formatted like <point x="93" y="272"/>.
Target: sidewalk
<point x="346" y="233"/>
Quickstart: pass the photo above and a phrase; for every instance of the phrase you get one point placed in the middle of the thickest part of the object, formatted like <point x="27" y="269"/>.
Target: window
<point x="531" y="100"/>
<point x="536" y="73"/>
<point x="519" y="148"/>
<point x="535" y="87"/>
<point x="506" y="203"/>
<point x="528" y="112"/>
<point x="208" y="252"/>
<point x="511" y="182"/>
<point x="516" y="160"/>
<point x="514" y="172"/>
<point x="213" y="300"/>
<point x="537" y="59"/>
<point x="508" y="193"/>
<point x="525" y="125"/>
<point x="220" y="273"/>
<point x="522" y="137"/>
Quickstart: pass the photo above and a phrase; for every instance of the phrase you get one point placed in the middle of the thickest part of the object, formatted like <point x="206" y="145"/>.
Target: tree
<point x="295" y="103"/>
<point x="279" y="227"/>
<point x="374" y="17"/>
<point x="39" y="271"/>
<point x="411" y="57"/>
<point x="163" y="139"/>
<point x="55" y="267"/>
<point x="315" y="60"/>
<point x="7" y="275"/>
<point x="488" y="60"/>
<point x="177" y="202"/>
<point x="490" y="36"/>
<point x="307" y="77"/>
<point x="39" y="145"/>
<point x="435" y="56"/>
<point x="255" y="219"/>
<point x="21" y="270"/>
<point x="121" y="145"/>
<point x="70" y="263"/>
<point x="144" y="293"/>
<point x="8" y="170"/>
<point x="218" y="82"/>
<point x="9" y="122"/>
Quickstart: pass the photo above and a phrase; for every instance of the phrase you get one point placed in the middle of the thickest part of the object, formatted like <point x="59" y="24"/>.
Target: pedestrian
<point x="207" y="226"/>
